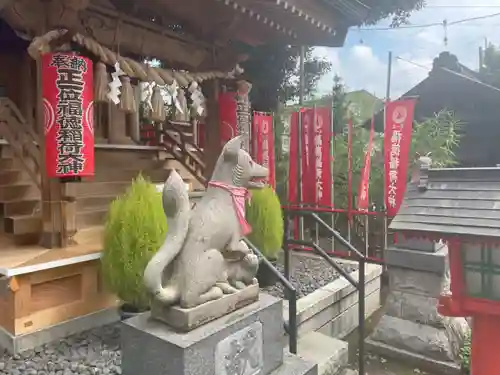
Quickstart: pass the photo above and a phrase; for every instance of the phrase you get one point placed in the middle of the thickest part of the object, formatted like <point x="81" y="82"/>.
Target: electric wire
<point x="448" y="23"/>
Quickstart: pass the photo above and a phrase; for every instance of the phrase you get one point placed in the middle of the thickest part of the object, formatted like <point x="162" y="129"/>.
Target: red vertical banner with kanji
<point x="322" y="155"/>
<point x="228" y="119"/>
<point x="293" y="173"/>
<point x="364" y="182"/>
<point x="68" y="105"/>
<point x="263" y="143"/>
<point x="308" y="175"/>
<point x="397" y="143"/>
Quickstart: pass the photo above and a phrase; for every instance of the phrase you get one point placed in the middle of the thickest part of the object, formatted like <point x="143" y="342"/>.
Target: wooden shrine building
<point x="51" y="217"/>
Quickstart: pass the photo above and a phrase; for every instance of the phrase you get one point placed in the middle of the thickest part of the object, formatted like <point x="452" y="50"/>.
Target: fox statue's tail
<point x="177" y="210"/>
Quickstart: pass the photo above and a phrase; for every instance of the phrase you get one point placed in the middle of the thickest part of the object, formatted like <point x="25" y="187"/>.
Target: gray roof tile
<point x="453" y="201"/>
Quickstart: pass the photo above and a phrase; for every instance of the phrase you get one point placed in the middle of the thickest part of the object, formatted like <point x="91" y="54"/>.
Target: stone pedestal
<point x="245" y="342"/>
<point x="411" y="326"/>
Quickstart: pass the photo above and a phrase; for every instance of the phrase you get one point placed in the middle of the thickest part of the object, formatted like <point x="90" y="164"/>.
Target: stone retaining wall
<point x="333" y="309"/>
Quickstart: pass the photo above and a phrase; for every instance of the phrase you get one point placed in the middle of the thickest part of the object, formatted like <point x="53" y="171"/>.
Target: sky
<point x="362" y="61"/>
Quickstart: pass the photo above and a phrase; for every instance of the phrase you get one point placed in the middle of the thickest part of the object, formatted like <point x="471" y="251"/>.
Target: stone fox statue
<point x="203" y="256"/>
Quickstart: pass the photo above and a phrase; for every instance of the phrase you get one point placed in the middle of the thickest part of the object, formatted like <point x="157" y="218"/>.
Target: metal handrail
<point x="291" y="327"/>
<point x="361" y="259"/>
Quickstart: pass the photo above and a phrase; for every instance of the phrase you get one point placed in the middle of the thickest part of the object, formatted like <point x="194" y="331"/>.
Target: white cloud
<point x="362" y="63"/>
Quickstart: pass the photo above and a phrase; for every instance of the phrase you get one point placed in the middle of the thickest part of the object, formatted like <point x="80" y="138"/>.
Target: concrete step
<point x="294" y="365"/>
<point x="331" y="355"/>
<point x="20" y="207"/>
<point x="23" y="224"/>
<point x="18" y="191"/>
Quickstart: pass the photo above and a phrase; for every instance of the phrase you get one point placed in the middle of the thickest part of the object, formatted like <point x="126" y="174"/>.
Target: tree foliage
<point x="490" y="70"/>
<point x="274" y="69"/>
<point x="438" y="135"/>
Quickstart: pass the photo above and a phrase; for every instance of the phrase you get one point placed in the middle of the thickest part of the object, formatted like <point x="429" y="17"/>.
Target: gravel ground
<point x="97" y="352"/>
<point x="93" y="352"/>
<point x="309" y="274"/>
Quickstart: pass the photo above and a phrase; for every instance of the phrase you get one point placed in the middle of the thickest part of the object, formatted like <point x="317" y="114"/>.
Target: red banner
<point x="228" y="118"/>
<point x="263" y="143"/>
<point x="322" y="152"/>
<point x="293" y="157"/>
<point x="293" y="175"/>
<point x="316" y="177"/>
<point x="364" y="183"/>
<point x="68" y="92"/>
<point x="397" y="144"/>
<point x="308" y="176"/>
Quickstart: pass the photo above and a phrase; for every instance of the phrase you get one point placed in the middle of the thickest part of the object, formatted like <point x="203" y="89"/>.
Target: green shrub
<point x="465" y="354"/>
<point x="264" y="214"/>
<point x="135" y="229"/>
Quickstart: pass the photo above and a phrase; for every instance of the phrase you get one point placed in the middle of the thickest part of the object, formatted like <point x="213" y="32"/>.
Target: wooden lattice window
<point x="481" y="265"/>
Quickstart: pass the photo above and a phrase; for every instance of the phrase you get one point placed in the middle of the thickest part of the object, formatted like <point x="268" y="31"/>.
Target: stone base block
<point x="330" y="354"/>
<point x="418" y="260"/>
<point x="430" y="345"/>
<point x="293" y="365"/>
<point x="249" y="337"/>
<point x="16" y="344"/>
<point x="185" y="320"/>
<point x="413" y="359"/>
<point x="413" y="307"/>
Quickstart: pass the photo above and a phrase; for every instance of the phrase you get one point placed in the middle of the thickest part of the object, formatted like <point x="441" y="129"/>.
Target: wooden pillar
<point x="53" y="215"/>
<point x="134" y="120"/>
<point x="58" y="213"/>
<point x="117" y="126"/>
<point x="213" y="146"/>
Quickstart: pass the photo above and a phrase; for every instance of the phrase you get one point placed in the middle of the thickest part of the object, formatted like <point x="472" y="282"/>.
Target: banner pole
<point x="315" y="119"/>
<point x="276" y="140"/>
<point x="349" y="178"/>
<point x="332" y="161"/>
<point x="300" y="193"/>
<point x="387" y="99"/>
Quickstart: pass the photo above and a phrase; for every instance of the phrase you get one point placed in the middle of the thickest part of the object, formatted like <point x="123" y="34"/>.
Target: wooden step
<point x="91" y="217"/>
<point x="7" y="164"/>
<point x="20" y="207"/>
<point x="89" y="235"/>
<point x="128" y="174"/>
<point x="6" y="152"/>
<point x="18" y="191"/>
<point x="23" y="224"/>
<point x="94" y="202"/>
<point x="87" y="189"/>
<point x="12" y="176"/>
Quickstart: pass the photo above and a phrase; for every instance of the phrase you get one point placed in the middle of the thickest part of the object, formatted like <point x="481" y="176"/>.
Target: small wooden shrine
<point x="129" y="85"/>
<point x="461" y="207"/>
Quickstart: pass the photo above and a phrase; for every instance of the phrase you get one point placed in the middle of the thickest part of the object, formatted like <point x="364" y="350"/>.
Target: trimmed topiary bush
<point x="135" y="229"/>
<point x="264" y="214"/>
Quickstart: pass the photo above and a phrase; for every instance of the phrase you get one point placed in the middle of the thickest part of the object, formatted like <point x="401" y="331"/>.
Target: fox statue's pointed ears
<point x="233" y="146"/>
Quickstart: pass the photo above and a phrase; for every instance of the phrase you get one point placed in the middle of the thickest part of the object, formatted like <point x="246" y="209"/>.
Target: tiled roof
<point x="453" y="201"/>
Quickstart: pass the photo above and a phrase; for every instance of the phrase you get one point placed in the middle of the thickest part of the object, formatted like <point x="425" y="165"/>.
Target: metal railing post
<point x="292" y="320"/>
<point x="361" y="312"/>
<point x="286" y="255"/>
